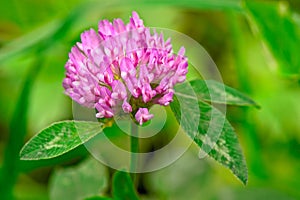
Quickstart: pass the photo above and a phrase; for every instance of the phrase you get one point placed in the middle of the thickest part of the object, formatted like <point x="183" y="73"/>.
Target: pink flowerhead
<point x="123" y="66"/>
<point x="143" y="115"/>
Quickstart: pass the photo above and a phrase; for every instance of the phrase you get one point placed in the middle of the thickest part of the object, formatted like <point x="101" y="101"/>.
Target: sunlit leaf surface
<point x="213" y="91"/>
<point x="215" y="136"/>
<point x="59" y="138"/>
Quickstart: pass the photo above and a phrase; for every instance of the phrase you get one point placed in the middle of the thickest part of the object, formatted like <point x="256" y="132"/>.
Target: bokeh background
<point x="255" y="44"/>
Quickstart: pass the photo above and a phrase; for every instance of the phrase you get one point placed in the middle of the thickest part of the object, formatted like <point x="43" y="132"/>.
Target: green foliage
<point x="98" y="198"/>
<point x="85" y="180"/>
<point x="43" y="37"/>
<point x="18" y="128"/>
<point x="203" y="4"/>
<point x="213" y="91"/>
<point x="279" y="31"/>
<point x="59" y="138"/>
<point x="32" y="31"/>
<point x="181" y="181"/>
<point x="26" y="166"/>
<point x="123" y="188"/>
<point x="215" y="136"/>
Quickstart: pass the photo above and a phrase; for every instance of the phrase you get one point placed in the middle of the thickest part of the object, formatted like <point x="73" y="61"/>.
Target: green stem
<point x="134" y="146"/>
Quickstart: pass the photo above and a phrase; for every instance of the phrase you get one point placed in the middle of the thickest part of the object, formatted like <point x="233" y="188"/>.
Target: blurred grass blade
<point x="243" y="69"/>
<point x="27" y="41"/>
<point x="18" y="129"/>
<point x="215" y="136"/>
<point x="88" y="179"/>
<point x="59" y="138"/>
<point x="55" y="30"/>
<point x="213" y="91"/>
<point x="235" y="5"/>
<point x="98" y="198"/>
<point x="44" y="36"/>
<point x="123" y="188"/>
<point x="279" y="31"/>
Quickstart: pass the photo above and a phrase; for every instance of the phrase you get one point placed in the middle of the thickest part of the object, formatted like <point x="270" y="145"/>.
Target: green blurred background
<point x="255" y="44"/>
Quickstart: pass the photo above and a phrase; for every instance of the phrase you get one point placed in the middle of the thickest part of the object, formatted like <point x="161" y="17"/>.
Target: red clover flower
<point x="123" y="66"/>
